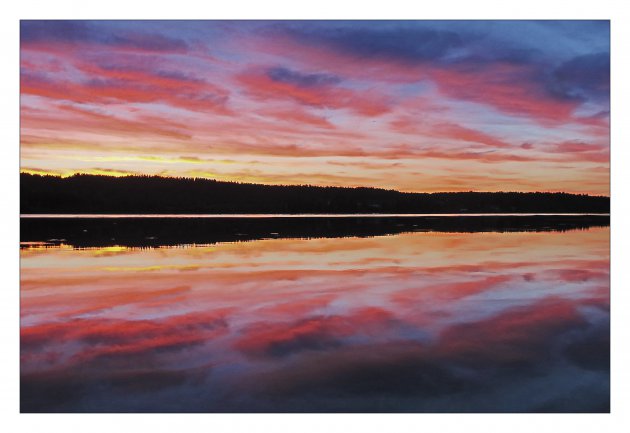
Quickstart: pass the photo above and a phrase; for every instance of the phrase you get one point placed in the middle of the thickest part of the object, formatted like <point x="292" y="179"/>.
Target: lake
<point x="316" y="314"/>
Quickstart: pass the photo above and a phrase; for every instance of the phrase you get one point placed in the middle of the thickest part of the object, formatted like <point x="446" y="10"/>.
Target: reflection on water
<point x="156" y="230"/>
<point x="412" y="322"/>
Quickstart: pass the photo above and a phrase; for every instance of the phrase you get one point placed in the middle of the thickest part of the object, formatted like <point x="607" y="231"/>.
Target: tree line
<point x="84" y="193"/>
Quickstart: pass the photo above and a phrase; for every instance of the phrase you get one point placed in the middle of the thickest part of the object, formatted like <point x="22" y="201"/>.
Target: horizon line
<point x="300" y="215"/>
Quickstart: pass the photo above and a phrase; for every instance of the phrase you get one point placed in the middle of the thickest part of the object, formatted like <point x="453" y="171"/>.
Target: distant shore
<point x="93" y="194"/>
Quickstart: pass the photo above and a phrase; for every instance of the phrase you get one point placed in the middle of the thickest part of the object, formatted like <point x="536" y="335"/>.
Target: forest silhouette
<point x="85" y="194"/>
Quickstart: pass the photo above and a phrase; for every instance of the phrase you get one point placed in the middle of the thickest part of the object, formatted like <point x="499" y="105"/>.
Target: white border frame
<point x="321" y="9"/>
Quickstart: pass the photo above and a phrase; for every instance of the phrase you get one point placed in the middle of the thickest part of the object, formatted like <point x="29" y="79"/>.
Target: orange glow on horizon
<point x="265" y="181"/>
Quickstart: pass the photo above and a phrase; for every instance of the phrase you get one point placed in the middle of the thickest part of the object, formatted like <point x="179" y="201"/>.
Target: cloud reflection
<point x="417" y="322"/>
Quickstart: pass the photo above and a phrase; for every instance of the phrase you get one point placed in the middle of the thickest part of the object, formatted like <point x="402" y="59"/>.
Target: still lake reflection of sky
<point x="416" y="322"/>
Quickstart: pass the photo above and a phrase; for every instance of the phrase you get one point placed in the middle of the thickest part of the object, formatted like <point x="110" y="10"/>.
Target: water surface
<point x="424" y="321"/>
<point x="164" y="230"/>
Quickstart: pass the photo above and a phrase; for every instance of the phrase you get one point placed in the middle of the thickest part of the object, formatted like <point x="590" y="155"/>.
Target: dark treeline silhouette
<point x="85" y="194"/>
<point x="153" y="232"/>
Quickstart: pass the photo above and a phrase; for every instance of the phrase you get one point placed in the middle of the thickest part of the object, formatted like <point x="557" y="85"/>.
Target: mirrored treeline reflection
<point x="481" y="321"/>
<point x="147" y="232"/>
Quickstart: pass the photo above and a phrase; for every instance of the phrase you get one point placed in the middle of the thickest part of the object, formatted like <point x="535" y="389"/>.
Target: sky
<point x="409" y="105"/>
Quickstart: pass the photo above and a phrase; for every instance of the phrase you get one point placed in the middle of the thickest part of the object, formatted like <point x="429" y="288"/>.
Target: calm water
<point x="288" y="215"/>
<point x="405" y="322"/>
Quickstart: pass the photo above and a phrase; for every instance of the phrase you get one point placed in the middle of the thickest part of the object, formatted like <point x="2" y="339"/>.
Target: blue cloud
<point x="96" y="32"/>
<point x="403" y="43"/>
<point x="562" y="59"/>
<point x="583" y="77"/>
<point x="285" y="75"/>
<point x="61" y="31"/>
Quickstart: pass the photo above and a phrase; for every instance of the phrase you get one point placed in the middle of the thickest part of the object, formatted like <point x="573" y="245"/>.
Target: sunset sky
<point x="414" y="106"/>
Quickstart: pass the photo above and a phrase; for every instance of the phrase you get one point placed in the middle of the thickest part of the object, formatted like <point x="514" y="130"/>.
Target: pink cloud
<point x="260" y="86"/>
